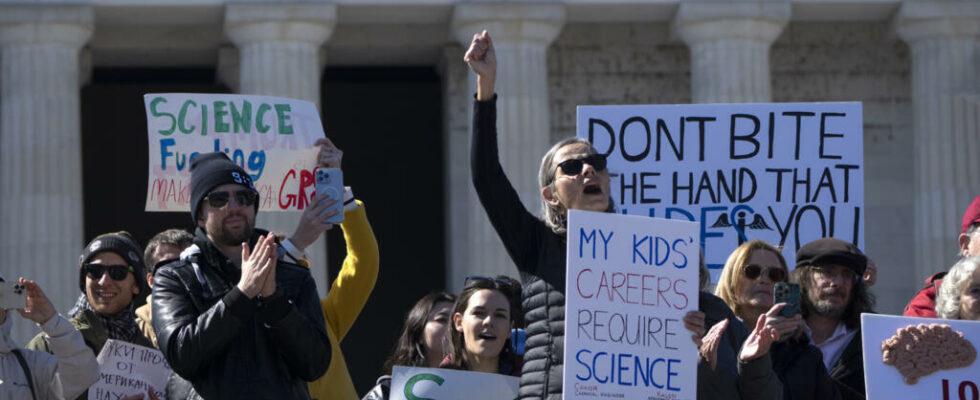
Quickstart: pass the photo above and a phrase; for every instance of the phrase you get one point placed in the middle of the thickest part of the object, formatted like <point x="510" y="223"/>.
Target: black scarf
<point x="119" y="326"/>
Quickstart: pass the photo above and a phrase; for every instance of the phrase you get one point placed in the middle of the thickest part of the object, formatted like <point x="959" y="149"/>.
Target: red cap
<point x="972" y="214"/>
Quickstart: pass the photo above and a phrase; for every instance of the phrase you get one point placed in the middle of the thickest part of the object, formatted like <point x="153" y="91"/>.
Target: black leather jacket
<point x="229" y="346"/>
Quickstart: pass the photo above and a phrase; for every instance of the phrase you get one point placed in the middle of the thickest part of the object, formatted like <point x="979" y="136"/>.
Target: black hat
<point x="211" y="170"/>
<point x="121" y="243"/>
<point x="832" y="251"/>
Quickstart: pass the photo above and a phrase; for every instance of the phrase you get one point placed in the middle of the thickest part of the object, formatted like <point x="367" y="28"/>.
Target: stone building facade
<point x="913" y="64"/>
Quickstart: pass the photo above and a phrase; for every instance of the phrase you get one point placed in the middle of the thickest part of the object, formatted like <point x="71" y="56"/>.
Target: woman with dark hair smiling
<point x="479" y="336"/>
<point x="423" y="342"/>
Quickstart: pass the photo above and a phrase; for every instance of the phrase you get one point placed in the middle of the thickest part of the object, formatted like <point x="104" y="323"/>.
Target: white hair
<point x="952" y="286"/>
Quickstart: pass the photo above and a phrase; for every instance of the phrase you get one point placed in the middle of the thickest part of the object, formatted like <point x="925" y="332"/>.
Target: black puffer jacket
<point x="232" y="347"/>
<point x="538" y="252"/>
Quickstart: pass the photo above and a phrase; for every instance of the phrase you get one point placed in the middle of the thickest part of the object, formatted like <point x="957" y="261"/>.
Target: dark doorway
<point x="388" y="122"/>
<point x="114" y="147"/>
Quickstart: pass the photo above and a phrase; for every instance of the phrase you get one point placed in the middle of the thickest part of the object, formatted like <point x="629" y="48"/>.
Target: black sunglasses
<point x="574" y="166"/>
<point x="753" y="272"/>
<point x="245" y="197"/>
<point x="116" y="272"/>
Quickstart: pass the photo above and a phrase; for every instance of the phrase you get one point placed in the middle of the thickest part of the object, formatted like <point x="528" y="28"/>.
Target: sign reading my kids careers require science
<point x="630" y="281"/>
<point x="411" y="383"/>
<point x="920" y="358"/>
<point x="127" y="369"/>
<point x="786" y="173"/>
<point x="271" y="138"/>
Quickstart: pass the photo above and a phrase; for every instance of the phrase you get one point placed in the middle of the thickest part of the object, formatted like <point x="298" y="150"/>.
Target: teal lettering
<point x="410" y="385"/>
<point x="155" y="113"/>
<point x="259" y="115"/>
<point x="220" y="125"/>
<point x="284" y="127"/>
<point x="242" y="120"/>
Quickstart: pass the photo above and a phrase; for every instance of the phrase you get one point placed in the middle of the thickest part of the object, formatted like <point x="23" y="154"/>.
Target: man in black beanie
<point x="231" y="317"/>
<point x="110" y="277"/>
<point x="833" y="295"/>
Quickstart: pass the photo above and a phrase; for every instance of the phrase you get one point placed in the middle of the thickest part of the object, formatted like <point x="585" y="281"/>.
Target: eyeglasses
<point x="832" y="273"/>
<point x="753" y="272"/>
<point x="505" y="283"/>
<point x="574" y="166"/>
<point x="116" y="272"/>
<point x="218" y="199"/>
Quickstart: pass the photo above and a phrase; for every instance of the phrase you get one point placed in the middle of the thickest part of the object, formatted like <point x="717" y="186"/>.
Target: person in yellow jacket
<point x="351" y="288"/>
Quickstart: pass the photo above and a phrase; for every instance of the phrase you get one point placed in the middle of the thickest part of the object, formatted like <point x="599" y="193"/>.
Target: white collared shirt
<point x="834" y="346"/>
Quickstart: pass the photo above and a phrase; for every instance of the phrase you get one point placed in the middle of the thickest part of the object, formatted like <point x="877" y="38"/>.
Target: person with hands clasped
<point x="573" y="175"/>
<point x="30" y="374"/>
<point x="746" y="285"/>
<point x="233" y="317"/>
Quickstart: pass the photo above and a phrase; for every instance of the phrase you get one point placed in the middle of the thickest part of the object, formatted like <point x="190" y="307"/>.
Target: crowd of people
<point x="235" y="312"/>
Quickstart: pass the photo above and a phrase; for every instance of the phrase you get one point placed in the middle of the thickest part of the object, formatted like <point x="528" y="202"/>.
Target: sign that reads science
<point x="786" y="173"/>
<point x="630" y="281"/>
<point x="271" y="138"/>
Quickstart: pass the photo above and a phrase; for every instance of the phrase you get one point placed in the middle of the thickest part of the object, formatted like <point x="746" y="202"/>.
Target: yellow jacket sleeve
<point x="353" y="286"/>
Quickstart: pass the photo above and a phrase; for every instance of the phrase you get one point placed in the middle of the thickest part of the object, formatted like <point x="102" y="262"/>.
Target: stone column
<point x="40" y="148"/>
<point x="279" y="46"/>
<point x="729" y="45"/>
<point x="521" y="34"/>
<point x="944" y="39"/>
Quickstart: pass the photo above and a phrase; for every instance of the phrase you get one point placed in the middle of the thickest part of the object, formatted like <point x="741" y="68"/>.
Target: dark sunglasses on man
<point x="116" y="272"/>
<point x="219" y="198"/>
<point x="574" y="166"/>
<point x="753" y="272"/>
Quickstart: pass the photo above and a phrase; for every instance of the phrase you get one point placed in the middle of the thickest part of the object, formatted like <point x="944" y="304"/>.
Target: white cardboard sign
<point x="412" y="383"/>
<point x="630" y="280"/>
<point x="884" y="381"/>
<point x="786" y="173"/>
<point x="126" y="369"/>
<point x="271" y="138"/>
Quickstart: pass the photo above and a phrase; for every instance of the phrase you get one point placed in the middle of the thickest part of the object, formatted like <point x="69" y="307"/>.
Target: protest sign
<point x="126" y="369"/>
<point x="410" y="383"/>
<point x="271" y="138"/>
<point x="786" y="173"/>
<point x="629" y="282"/>
<point x="920" y="362"/>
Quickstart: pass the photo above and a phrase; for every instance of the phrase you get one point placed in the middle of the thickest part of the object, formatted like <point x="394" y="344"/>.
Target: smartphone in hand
<point x="13" y="295"/>
<point x="330" y="181"/>
<point x="789" y="293"/>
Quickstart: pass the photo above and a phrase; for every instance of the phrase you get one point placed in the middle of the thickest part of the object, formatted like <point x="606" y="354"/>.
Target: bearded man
<point x="232" y="316"/>
<point x="833" y="295"/>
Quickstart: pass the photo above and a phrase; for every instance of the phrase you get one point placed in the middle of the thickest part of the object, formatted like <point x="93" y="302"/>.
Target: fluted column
<point x="944" y="39"/>
<point x="279" y="46"/>
<point x="40" y="148"/>
<point x="729" y="45"/>
<point x="521" y="35"/>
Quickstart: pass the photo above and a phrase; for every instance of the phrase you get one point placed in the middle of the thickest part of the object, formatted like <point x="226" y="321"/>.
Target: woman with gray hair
<point x="959" y="296"/>
<point x="572" y="176"/>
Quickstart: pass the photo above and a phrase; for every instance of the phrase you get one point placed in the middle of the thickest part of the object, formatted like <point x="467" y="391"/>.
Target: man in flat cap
<point x="232" y="317"/>
<point x="833" y="294"/>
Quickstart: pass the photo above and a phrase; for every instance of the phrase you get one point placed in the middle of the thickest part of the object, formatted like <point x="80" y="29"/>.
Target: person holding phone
<point x="747" y="284"/>
<point x="30" y="374"/>
<point x="111" y="275"/>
